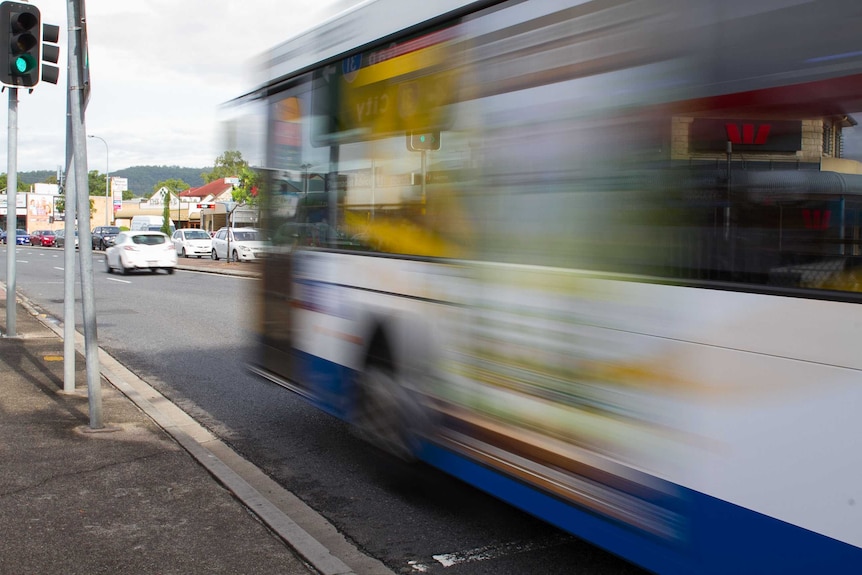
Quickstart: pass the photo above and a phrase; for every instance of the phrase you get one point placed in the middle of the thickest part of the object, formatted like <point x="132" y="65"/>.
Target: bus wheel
<point x="380" y="414"/>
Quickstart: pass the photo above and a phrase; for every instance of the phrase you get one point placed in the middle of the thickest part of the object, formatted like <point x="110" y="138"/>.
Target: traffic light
<point x="50" y="53"/>
<point x="425" y="141"/>
<point x="20" y="44"/>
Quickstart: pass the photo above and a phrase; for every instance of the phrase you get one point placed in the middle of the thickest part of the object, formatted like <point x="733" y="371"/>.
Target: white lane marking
<point x="118" y="280"/>
<point x="61" y="269"/>
<point x="491" y="552"/>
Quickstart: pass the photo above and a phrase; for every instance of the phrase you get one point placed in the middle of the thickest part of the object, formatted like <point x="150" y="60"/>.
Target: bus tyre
<point x="380" y="412"/>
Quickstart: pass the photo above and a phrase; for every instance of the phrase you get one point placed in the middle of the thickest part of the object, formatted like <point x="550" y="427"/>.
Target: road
<point x="189" y="335"/>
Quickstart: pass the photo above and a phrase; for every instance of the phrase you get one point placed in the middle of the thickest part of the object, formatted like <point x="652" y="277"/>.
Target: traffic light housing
<point x="417" y="142"/>
<point x="50" y="53"/>
<point x="20" y="44"/>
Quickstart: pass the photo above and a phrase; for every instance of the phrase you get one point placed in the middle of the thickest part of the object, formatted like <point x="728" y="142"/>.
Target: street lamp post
<point x="109" y="206"/>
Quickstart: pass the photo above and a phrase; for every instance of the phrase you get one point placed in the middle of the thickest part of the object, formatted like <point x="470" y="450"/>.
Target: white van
<point x="150" y="224"/>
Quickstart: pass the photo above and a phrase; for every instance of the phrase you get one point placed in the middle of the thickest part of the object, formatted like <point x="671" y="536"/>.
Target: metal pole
<point x="229" y="230"/>
<point x="108" y="203"/>
<point x="85" y="248"/>
<point x="11" y="212"/>
<point x="69" y="258"/>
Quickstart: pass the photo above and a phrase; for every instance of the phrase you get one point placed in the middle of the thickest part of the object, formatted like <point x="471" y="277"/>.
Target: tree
<point x="231" y="165"/>
<point x="228" y="165"/>
<point x="96" y="183"/>
<point x="166" y="212"/>
<point x="246" y="191"/>
<point x="22" y="186"/>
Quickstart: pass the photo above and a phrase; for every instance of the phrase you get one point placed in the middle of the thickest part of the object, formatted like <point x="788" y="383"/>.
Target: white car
<point x="192" y="242"/>
<point x="246" y="244"/>
<point x="140" y="250"/>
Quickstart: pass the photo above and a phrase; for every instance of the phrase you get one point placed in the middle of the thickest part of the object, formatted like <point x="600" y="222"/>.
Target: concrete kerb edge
<point x="311" y="550"/>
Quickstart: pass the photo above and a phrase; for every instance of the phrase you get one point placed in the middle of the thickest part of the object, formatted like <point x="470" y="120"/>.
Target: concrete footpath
<point x="139" y="496"/>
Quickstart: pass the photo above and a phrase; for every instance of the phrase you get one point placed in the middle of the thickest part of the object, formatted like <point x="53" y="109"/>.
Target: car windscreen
<point x="246" y="236"/>
<point x="197" y="235"/>
<point x="148" y="239"/>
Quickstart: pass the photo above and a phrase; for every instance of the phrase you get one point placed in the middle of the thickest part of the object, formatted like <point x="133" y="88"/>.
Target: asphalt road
<point x="190" y="334"/>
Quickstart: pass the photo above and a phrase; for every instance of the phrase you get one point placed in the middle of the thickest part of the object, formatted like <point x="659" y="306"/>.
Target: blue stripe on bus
<point x="721" y="537"/>
<point x="329" y="384"/>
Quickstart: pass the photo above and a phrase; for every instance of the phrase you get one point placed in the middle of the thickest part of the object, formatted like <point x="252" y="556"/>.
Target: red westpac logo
<point x="746" y="134"/>
<point x="816" y="219"/>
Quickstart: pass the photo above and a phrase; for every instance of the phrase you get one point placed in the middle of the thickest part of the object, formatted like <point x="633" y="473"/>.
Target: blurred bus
<point x="600" y="259"/>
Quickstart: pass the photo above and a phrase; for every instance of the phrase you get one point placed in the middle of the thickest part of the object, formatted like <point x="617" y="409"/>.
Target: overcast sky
<point x="160" y="70"/>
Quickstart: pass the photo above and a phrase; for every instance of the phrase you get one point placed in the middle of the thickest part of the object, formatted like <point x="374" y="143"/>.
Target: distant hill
<point x="36" y="177"/>
<point x="142" y="179"/>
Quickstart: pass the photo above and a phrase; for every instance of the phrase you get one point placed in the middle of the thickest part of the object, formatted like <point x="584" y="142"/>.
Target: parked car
<point x="192" y="242"/>
<point x="60" y="238"/>
<point x="22" y="238"/>
<point x="103" y="236"/>
<point x="140" y="250"/>
<point x="246" y="244"/>
<point x="44" y="238"/>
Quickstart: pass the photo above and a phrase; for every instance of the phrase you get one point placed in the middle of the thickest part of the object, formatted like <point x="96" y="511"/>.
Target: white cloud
<point x="159" y="70"/>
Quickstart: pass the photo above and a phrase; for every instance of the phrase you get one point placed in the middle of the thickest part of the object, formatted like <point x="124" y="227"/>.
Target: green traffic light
<point x="23" y="64"/>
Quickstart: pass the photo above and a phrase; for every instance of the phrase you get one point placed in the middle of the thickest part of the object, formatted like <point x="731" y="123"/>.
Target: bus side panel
<point x="653" y="387"/>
